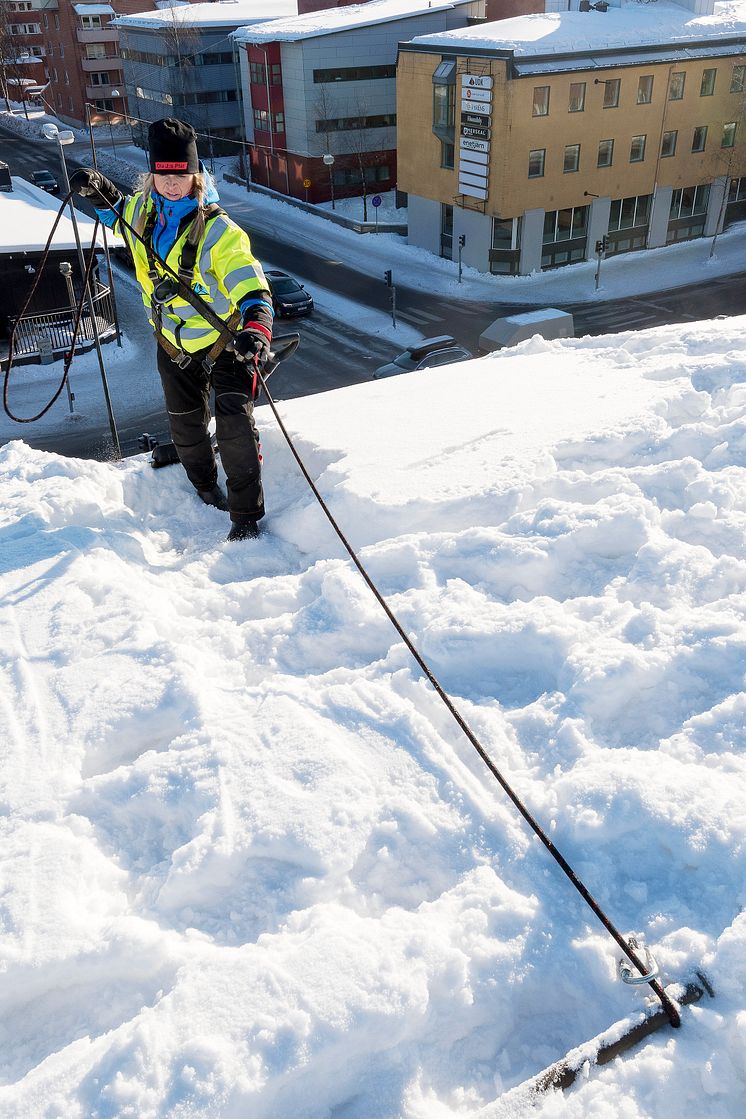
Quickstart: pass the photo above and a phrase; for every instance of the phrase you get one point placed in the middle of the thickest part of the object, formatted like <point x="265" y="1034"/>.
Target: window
<point x="605" y="153"/>
<point x="62" y="50"/>
<point x="541" y="101"/>
<point x="707" y="86"/>
<point x="258" y="73"/>
<point x="676" y="86"/>
<point x="447" y="155"/>
<point x="354" y="74"/>
<point x="668" y="143"/>
<point x="576" y="103"/>
<point x="100" y="78"/>
<point x="611" y="93"/>
<point x="738" y="81"/>
<point x="736" y="207"/>
<point x="349" y="124"/>
<point x="688" y="213"/>
<point x="626" y="213"/>
<point x="67" y="78"/>
<point x="645" y="89"/>
<point x="729" y="135"/>
<point x="536" y="163"/>
<point x="95" y="50"/>
<point x="444" y="106"/>
<point x="572" y="158"/>
<point x="46" y="20"/>
<point x="56" y="25"/>
<point x="699" y="138"/>
<point x="90" y="23"/>
<point x="505" y="253"/>
<point x="261" y="120"/>
<point x="564" y="236"/>
<point x="637" y="149"/>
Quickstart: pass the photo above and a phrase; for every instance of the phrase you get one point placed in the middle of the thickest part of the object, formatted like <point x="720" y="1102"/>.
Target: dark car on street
<point x="288" y="296"/>
<point x="45" y="180"/>
<point x="427" y="354"/>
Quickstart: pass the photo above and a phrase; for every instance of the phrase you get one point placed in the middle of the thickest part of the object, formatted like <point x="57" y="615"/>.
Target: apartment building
<point x="179" y="61"/>
<point x="320" y="93"/>
<point x="537" y="142"/>
<point x="22" y="68"/>
<point x="84" y="69"/>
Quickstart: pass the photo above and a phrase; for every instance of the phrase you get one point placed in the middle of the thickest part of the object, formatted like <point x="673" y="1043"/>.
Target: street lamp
<point x="51" y="132"/>
<point x="329" y="161"/>
<point x="114" y="93"/>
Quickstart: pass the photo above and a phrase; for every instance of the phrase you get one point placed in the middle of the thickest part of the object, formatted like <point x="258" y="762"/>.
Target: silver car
<point x="427" y="354"/>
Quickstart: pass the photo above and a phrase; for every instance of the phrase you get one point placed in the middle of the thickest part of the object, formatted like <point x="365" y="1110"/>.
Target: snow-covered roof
<point x="332" y="20"/>
<point x="631" y="27"/>
<point x="224" y="13"/>
<point x="27" y="215"/>
<point x="94" y="9"/>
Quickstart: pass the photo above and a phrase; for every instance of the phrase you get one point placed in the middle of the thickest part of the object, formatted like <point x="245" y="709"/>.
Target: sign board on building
<point x="474" y="147"/>
<point x="468" y="145"/>
<point x="473" y="133"/>
<point x="481" y="119"/>
<point x="474" y="81"/>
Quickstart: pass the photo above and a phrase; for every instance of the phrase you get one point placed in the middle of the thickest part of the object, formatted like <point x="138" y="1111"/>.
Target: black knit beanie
<point x="173" y="147"/>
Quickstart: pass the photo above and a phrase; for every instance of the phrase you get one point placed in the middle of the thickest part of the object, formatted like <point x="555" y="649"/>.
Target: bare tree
<point x="731" y="158"/>
<point x="363" y="144"/>
<point x="181" y="40"/>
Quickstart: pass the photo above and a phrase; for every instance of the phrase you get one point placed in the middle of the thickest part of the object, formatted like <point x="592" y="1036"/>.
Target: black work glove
<point x="252" y="345"/>
<point x="90" y="183"/>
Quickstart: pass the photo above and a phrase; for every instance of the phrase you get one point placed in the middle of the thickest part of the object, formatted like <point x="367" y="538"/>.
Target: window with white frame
<point x="572" y="158"/>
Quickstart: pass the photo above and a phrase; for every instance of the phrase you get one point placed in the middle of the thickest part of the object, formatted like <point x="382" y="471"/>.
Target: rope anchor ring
<point x="626" y="972"/>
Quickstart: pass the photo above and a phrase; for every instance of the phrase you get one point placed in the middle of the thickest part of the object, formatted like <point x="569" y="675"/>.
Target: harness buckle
<point x="164" y="291"/>
<point x="183" y="359"/>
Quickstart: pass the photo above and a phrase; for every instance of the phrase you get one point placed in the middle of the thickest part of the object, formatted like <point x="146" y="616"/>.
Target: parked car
<point x="5" y="179"/>
<point x="288" y="296"/>
<point x="427" y="354"/>
<point x="45" y="180"/>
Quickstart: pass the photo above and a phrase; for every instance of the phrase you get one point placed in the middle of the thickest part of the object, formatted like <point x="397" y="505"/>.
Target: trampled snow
<point x="252" y="867"/>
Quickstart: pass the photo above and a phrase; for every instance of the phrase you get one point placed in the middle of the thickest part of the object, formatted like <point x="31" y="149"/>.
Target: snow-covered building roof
<point x="27" y="215"/>
<point x="635" y="29"/>
<point x="331" y="20"/>
<point x="224" y="13"/>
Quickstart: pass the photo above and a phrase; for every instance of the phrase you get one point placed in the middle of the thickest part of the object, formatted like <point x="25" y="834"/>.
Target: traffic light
<point x="387" y="278"/>
<point x="601" y="245"/>
<point x="461" y="240"/>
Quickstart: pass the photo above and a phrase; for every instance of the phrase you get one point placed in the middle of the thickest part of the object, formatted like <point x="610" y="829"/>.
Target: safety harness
<point x="165" y="287"/>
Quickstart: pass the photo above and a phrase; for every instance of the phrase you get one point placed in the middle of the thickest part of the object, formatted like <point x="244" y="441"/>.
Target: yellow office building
<point x="537" y="141"/>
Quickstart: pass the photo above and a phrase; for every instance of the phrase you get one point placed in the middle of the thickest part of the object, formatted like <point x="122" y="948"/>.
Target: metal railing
<point x="51" y="332"/>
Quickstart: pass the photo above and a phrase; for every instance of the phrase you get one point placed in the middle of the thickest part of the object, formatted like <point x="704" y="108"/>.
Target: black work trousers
<point x="187" y="393"/>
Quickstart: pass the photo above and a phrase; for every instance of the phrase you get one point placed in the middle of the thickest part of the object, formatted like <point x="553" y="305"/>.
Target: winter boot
<point x="214" y="496"/>
<point x="243" y="529"/>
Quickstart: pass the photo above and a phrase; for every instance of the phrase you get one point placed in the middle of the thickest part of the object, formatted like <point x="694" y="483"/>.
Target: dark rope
<point x="78" y="314"/>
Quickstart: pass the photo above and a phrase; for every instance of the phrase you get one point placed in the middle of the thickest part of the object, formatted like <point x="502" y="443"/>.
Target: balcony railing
<point x="51" y="333"/>
<point x="97" y="35"/>
<point x="106" y="62"/>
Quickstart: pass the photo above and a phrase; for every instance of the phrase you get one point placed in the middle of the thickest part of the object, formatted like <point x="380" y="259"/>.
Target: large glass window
<point x="735" y="209"/>
<point x="707" y="85"/>
<point x="729" y="135"/>
<point x="645" y="89"/>
<point x="505" y="251"/>
<point x="688" y="213"/>
<point x="668" y="143"/>
<point x="564" y="236"/>
<point x="699" y="138"/>
<point x="541" y="101"/>
<point x="628" y="224"/>
<point x="536" y="163"/>
<point x="572" y="158"/>
<point x="354" y="74"/>
<point x="444" y="106"/>
<point x="637" y="149"/>
<point x="576" y="103"/>
<point x="605" y="153"/>
<point x="611" y="93"/>
<point x="676" y="85"/>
